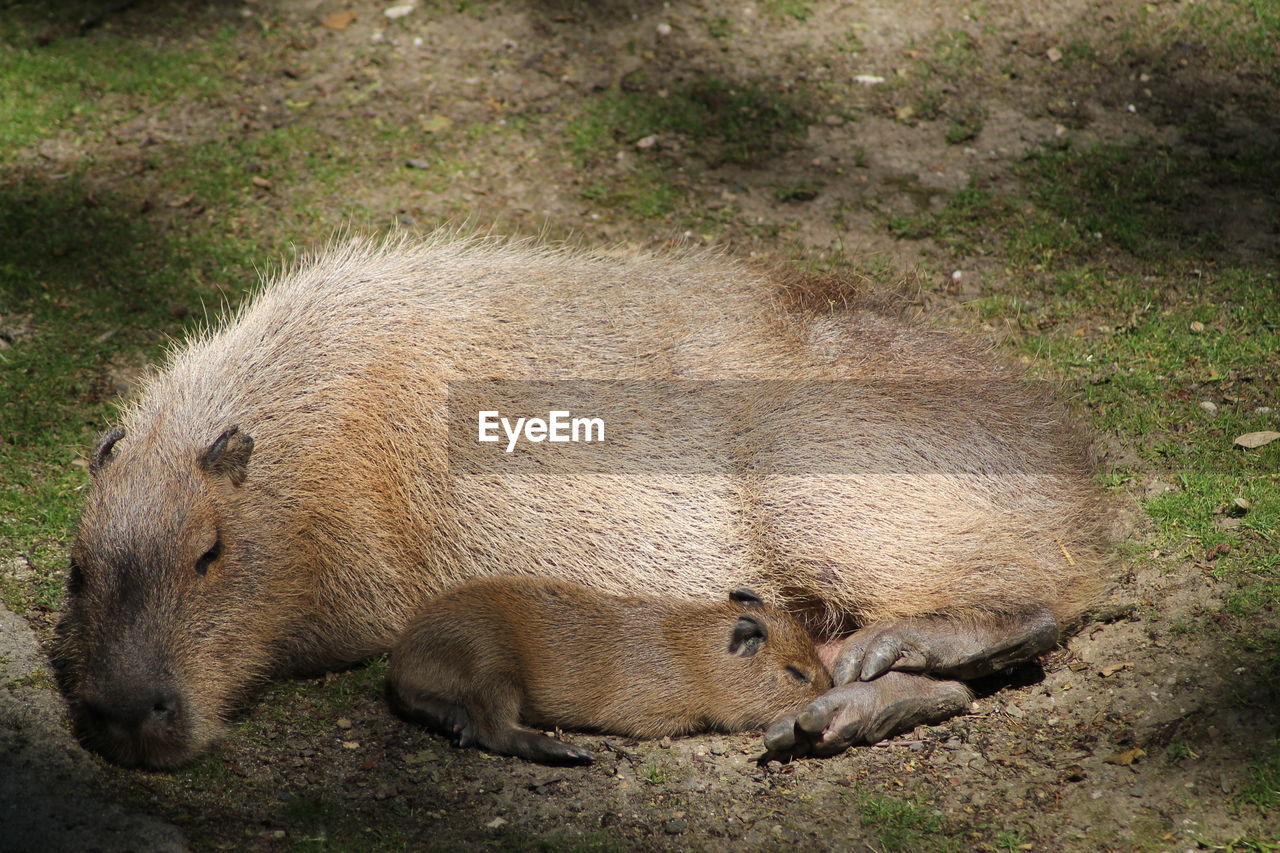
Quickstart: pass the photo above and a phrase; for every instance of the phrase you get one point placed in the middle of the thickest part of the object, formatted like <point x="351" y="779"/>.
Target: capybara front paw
<point x="863" y="712"/>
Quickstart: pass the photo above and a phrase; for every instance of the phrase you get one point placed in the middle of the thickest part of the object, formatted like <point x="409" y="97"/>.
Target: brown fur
<point x="556" y="654"/>
<point x="955" y="489"/>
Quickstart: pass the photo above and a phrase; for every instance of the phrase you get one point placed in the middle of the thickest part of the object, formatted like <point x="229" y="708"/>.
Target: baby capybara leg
<point x="496" y="714"/>
<point x="863" y="712"/>
<point x="946" y="647"/>
<point x="534" y="746"/>
<point x="435" y="712"/>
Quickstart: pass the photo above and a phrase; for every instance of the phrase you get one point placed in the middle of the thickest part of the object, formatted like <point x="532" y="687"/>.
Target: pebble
<point x="1197" y="327"/>
<point x="664" y="29"/>
<point x="675" y="826"/>
<point x="1209" y="406"/>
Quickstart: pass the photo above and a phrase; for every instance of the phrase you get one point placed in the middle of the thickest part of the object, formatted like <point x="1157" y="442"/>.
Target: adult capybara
<point x="292" y="486"/>
<point x="484" y="656"/>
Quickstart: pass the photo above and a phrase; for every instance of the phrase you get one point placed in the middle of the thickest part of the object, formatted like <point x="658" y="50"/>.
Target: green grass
<point x="94" y="281"/>
<point x="905" y="826"/>
<point x="65" y="86"/>
<point x="722" y="121"/>
<point x="800" y="10"/>
<point x="1262" y="793"/>
<point x="1244" y="32"/>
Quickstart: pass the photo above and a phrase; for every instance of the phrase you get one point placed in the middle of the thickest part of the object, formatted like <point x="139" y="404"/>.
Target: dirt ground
<point x="1069" y="754"/>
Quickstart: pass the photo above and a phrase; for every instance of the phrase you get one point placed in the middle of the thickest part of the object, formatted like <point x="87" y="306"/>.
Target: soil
<point x="1131" y="736"/>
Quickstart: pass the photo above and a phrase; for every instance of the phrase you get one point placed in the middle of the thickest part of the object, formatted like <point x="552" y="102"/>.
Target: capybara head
<point x="769" y="665"/>
<point x="162" y="587"/>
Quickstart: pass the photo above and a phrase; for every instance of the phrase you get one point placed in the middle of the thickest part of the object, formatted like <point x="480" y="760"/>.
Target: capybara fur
<point x="486" y="655"/>
<point x="279" y="497"/>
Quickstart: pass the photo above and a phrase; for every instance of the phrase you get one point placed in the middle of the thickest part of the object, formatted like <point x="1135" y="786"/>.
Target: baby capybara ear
<point x="745" y="596"/>
<point x="228" y="456"/>
<point x="749" y="634"/>
<point x="102" y="453"/>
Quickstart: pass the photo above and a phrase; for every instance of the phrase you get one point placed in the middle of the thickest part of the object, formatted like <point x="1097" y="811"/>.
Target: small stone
<point x="496" y="823"/>
<point x="664" y="29"/>
<point x="1209" y="406"/>
<point x="1196" y="327"/>
<point x="1262" y="410"/>
<point x="351" y="744"/>
<point x="646" y="142"/>
<point x="400" y="11"/>
<point x="1053" y="54"/>
<point x="956" y="275"/>
<point x="675" y="826"/>
<point x="344" y="723"/>
<point x="417" y="163"/>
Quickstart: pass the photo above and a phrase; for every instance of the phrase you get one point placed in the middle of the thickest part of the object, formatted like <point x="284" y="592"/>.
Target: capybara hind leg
<point x="863" y="712"/>
<point x="438" y="714"/>
<point x="534" y="746"/>
<point x="946" y="647"/>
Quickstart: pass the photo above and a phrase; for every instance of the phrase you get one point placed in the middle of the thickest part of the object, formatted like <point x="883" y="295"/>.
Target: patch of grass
<point x="722" y="121"/>
<point x="90" y="280"/>
<point x="66" y="85"/>
<point x="800" y="10"/>
<point x="905" y="825"/>
<point x="1243" y="32"/>
<point x="719" y="27"/>
<point x="1143" y="199"/>
<point x="37" y="679"/>
<point x="644" y="193"/>
<point x="965" y="125"/>
<point x="804" y="191"/>
<point x="655" y="774"/>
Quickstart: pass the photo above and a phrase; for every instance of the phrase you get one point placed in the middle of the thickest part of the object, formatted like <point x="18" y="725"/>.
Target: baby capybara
<point x="490" y="654"/>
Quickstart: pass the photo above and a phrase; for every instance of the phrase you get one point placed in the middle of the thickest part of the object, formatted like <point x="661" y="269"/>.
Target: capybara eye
<point x="798" y="675"/>
<point x="208" y="557"/>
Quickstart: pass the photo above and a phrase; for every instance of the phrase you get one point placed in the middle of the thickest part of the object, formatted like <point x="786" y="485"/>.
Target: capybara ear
<point x="746" y="596"/>
<point x="228" y="456"/>
<point x="749" y="634"/>
<point x="102" y="453"/>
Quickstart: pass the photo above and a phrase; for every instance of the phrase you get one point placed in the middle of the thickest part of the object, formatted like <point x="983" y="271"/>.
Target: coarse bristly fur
<point x="934" y="482"/>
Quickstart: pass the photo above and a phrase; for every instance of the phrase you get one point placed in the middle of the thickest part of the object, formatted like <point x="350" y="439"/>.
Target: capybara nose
<point x="133" y="710"/>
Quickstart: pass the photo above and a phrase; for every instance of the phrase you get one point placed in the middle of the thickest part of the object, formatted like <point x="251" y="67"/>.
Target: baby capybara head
<point x="158" y="639"/>
<point x="768" y="666"/>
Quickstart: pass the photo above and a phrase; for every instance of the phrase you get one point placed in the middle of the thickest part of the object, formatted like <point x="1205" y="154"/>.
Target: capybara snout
<point x="150" y="651"/>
